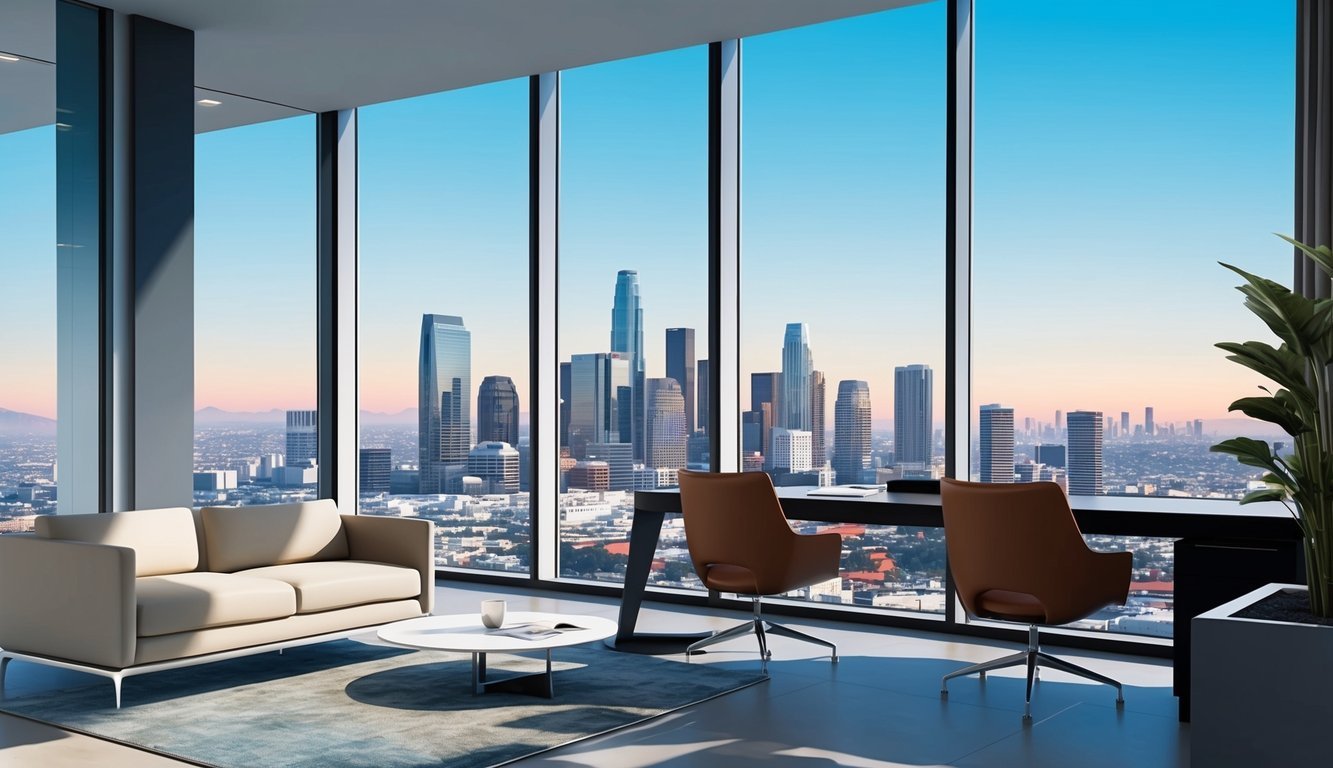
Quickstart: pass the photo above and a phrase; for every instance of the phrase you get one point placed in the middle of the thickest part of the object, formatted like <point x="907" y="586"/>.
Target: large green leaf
<point x="1250" y="452"/>
<point x="1264" y="494"/>
<point x="1274" y="410"/>
<point x="1277" y="363"/>
<point x="1320" y="255"/>
<point x="1285" y="313"/>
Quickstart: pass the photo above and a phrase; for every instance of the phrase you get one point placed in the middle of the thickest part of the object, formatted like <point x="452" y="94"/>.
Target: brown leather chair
<point x="740" y="542"/>
<point x="1016" y="554"/>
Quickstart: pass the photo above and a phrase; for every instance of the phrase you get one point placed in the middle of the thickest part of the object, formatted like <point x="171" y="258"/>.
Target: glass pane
<point x="1116" y="162"/>
<point x="28" y="308"/>
<point x="444" y="319"/>
<point x="633" y="310"/>
<point x="842" y="337"/>
<point x="255" y="343"/>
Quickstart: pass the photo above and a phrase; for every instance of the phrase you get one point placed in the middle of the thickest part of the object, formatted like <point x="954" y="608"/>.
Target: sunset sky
<point x="1113" y="168"/>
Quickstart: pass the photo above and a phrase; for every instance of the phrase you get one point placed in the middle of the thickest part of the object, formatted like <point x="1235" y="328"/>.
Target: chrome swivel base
<point x="1033" y="657"/>
<point x="761" y="628"/>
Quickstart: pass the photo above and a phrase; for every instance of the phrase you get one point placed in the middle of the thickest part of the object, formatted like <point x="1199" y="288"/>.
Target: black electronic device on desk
<point x="913" y="486"/>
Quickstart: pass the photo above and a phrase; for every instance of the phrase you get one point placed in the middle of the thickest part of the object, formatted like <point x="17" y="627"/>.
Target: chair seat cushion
<point x="1014" y="606"/>
<point x="181" y="602"/>
<point x="330" y="584"/>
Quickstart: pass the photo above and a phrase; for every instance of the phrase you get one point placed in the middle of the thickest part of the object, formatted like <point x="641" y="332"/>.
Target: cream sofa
<point x="132" y="592"/>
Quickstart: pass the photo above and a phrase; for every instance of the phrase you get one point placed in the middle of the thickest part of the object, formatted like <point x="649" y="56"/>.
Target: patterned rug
<point x="347" y="703"/>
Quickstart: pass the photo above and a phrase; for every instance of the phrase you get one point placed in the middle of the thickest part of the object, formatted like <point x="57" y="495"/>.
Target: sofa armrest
<point x="405" y="541"/>
<point x="67" y="599"/>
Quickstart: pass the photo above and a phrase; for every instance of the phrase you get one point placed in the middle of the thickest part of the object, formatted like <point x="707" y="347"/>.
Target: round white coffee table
<point x="465" y="633"/>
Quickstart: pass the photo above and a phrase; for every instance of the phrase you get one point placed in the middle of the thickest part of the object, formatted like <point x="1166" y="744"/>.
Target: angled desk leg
<point x="643" y="536"/>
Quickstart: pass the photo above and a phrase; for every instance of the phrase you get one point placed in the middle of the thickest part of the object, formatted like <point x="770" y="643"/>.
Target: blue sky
<point x="1121" y="149"/>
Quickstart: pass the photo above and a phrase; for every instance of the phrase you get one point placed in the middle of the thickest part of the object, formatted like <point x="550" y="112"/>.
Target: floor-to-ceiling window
<point x="28" y="468"/>
<point x="633" y="302"/>
<point x="255" y="343"/>
<point x="444" y="320"/>
<point x="842" y="278"/>
<point x="1121" y="151"/>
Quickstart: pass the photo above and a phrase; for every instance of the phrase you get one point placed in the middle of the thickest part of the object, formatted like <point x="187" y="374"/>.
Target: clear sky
<point x="1121" y="149"/>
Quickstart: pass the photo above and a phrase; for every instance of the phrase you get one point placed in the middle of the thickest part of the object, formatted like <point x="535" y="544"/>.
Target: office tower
<point x="791" y="450"/>
<point x="912" y="408"/>
<point x="818" y="453"/>
<point x="1029" y="471"/>
<point x="680" y="366"/>
<point x="997" y="444"/>
<point x="268" y="463"/>
<point x="851" y="431"/>
<point x="702" y="399"/>
<point x="1124" y="423"/>
<point x="1110" y="426"/>
<point x="1059" y="423"/>
<point x="496" y="463"/>
<point x="627" y="339"/>
<point x="497" y="411"/>
<point x="619" y="459"/>
<point x="375" y="467"/>
<point x="797" y="364"/>
<point x="444" y="409"/>
<point x="1051" y="455"/>
<point x="1085" y="453"/>
<point x="302" y="438"/>
<point x="600" y="398"/>
<point x="589" y="475"/>
<point x="1027" y="425"/>
<point x="766" y="398"/>
<point x="564" y="404"/>
<point x="752" y="432"/>
<point x="666" y="431"/>
<point x="1149" y="429"/>
<point x="1198" y="429"/>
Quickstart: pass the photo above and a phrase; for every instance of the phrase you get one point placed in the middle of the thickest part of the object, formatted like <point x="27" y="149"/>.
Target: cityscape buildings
<point x="627" y="339"/>
<point x="302" y="438"/>
<point x="913" y="439"/>
<point x="600" y="409"/>
<point x="851" y="431"/>
<point x="791" y="450"/>
<point x="666" y="435"/>
<point x="997" y="444"/>
<point x="680" y="365"/>
<point x="797" y="365"/>
<point x="1148" y="427"/>
<point x="497" y="410"/>
<point x="818" y="454"/>
<point x="495" y="463"/>
<point x="1085" y="453"/>
<point x="374" y="468"/>
<point x="444" y="406"/>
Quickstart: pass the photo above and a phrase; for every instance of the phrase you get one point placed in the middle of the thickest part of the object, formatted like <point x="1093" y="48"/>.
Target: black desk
<point x="1109" y="515"/>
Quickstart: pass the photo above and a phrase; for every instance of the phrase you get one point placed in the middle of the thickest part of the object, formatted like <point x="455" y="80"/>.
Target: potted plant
<point x="1261" y="666"/>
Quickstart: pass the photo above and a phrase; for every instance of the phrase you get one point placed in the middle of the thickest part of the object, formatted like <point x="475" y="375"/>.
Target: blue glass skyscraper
<point x="444" y="403"/>
<point x="627" y="339"/>
<point x="913" y="441"/>
<point x="797" y="365"/>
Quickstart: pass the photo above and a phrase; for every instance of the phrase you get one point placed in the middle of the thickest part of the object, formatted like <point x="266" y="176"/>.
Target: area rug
<point x="347" y="703"/>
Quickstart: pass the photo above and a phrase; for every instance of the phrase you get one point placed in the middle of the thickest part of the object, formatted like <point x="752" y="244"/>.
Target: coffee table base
<point x="532" y="684"/>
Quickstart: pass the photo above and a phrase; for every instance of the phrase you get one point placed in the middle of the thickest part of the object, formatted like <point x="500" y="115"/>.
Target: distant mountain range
<point x="19" y="423"/>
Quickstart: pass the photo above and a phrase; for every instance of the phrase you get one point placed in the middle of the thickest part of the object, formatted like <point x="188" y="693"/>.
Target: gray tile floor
<point x="879" y="707"/>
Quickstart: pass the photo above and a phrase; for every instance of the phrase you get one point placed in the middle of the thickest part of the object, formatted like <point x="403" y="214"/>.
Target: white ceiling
<point x="319" y="55"/>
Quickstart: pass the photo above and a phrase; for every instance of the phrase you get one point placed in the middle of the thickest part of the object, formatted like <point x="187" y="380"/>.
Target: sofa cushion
<point x="342" y="583"/>
<point x="163" y="540"/>
<point x="274" y="534"/>
<point x="182" y="602"/>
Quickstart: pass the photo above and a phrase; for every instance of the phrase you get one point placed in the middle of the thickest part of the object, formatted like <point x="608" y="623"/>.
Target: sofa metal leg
<point x="116" y="680"/>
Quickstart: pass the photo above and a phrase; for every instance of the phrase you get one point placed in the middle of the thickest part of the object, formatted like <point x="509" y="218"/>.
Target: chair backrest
<point x="734" y="518"/>
<point x="1019" y="537"/>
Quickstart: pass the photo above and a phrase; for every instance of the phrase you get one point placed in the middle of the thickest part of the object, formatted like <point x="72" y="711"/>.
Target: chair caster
<point x="834" y="658"/>
<point x="944" y="693"/>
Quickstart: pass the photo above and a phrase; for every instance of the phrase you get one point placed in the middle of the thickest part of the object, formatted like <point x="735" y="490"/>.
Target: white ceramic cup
<point x="492" y="613"/>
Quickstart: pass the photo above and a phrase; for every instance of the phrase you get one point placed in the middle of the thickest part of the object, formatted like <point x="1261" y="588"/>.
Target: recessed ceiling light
<point x="7" y="57"/>
<point x="209" y="102"/>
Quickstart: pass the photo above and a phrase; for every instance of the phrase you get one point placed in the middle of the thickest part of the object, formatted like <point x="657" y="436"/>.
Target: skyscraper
<point x="701" y="423"/>
<point x="376" y="464"/>
<point x="766" y="399"/>
<point x="1198" y="429"/>
<point x="851" y="431"/>
<point x="666" y="435"/>
<point x="818" y="454"/>
<point x="302" y="438"/>
<point x="1149" y="429"/>
<point x="912" y="409"/>
<point x="627" y="339"/>
<point x="1124" y="423"/>
<point x="1085" y="453"/>
<point x="1051" y="455"/>
<point x="797" y="365"/>
<point x="1059" y="423"/>
<point x="997" y="444"/>
<point x="496" y="463"/>
<point x="444" y="407"/>
<point x="599" y="397"/>
<point x="497" y="410"/>
<point x="791" y="450"/>
<point x="680" y="366"/>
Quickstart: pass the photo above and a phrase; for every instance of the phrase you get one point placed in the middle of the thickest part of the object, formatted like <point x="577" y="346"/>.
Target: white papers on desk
<point x="845" y="490"/>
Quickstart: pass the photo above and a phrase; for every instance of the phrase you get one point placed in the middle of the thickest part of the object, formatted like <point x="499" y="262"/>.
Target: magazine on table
<point x="536" y="630"/>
